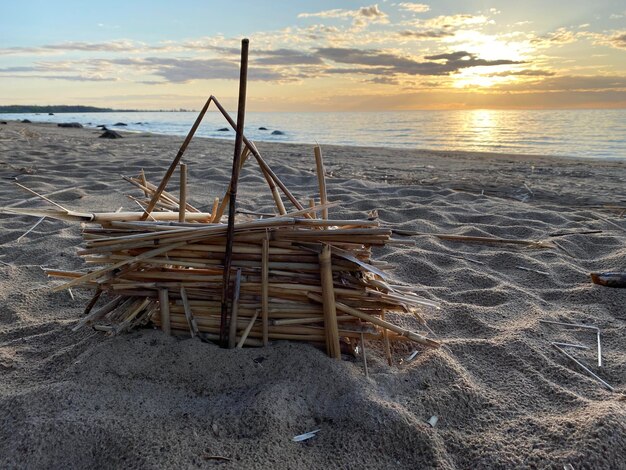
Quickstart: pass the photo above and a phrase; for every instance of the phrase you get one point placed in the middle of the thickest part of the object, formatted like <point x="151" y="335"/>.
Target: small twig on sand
<point x="583" y="232"/>
<point x="612" y="223"/>
<point x="30" y="229"/>
<point x="364" y="356"/>
<point x="587" y="327"/>
<point x="584" y="367"/>
<point x="477" y="239"/>
<point x="570" y="345"/>
<point x="216" y="457"/>
<point x="41" y="196"/>
<point x="532" y="270"/>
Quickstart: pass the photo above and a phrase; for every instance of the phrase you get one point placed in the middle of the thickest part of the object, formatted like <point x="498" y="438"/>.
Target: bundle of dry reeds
<point x="296" y="276"/>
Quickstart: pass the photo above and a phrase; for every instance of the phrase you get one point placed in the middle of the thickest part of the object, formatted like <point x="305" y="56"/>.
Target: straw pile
<point x="296" y="276"/>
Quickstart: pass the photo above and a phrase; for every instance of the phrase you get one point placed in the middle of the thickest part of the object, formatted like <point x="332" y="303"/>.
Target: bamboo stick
<point x="386" y="343"/>
<point x="166" y="199"/>
<point x="377" y="321"/>
<point x="164" y="304"/>
<point x="246" y="332"/>
<point x="307" y="320"/>
<point x="93" y="275"/>
<point x="241" y="111"/>
<point x="265" y="290"/>
<point x="144" y="182"/>
<point x="183" y="192"/>
<point x="219" y="212"/>
<point x="364" y="356"/>
<point x="328" y="300"/>
<point x="232" y="334"/>
<point x="214" y="218"/>
<point x="584" y="367"/>
<point x="92" y="302"/>
<point x="96" y="314"/>
<point x="259" y="159"/>
<point x="30" y="229"/>
<point x="193" y="326"/>
<point x="321" y="178"/>
<point x="177" y="159"/>
<point x="42" y="197"/>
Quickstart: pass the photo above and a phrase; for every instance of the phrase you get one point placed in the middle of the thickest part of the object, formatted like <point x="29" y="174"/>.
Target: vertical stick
<point x="241" y="111"/>
<point x="312" y="204"/>
<point x="328" y="300"/>
<point x="386" y="340"/>
<point x="144" y="182"/>
<point x="193" y="326"/>
<point x="265" y="298"/>
<point x="232" y="333"/>
<point x="599" y="348"/>
<point x="321" y="179"/>
<point x="164" y="304"/>
<point x="364" y="356"/>
<point x="182" y="204"/>
<point x="216" y="204"/>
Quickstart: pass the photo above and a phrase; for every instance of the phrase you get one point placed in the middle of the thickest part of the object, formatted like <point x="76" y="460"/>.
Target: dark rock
<point x="119" y="124"/>
<point x="50" y="114"/>
<point x="223" y="129"/>
<point x="70" y="124"/>
<point x="27" y="121"/>
<point x="3" y="122"/>
<point x="102" y="125"/>
<point x="262" y="128"/>
<point x="139" y="123"/>
<point x="109" y="134"/>
<point x="278" y="133"/>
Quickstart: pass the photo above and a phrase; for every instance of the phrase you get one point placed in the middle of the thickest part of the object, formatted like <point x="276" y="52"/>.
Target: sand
<point x="503" y="396"/>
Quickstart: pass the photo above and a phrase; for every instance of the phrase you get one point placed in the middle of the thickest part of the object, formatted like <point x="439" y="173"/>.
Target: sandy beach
<point x="503" y="396"/>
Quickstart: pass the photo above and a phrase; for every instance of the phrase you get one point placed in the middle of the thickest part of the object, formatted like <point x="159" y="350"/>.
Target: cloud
<point x="383" y="80"/>
<point x="376" y="61"/>
<point x="428" y="34"/>
<point x="450" y="21"/>
<point x="582" y="83"/>
<point x="524" y="73"/>
<point x="112" y="46"/>
<point x="361" y="16"/>
<point x="559" y="37"/>
<point x="570" y="83"/>
<point x="616" y="39"/>
<point x="177" y="70"/>
<point x="414" y="7"/>
<point x="72" y="78"/>
<point x="286" y="57"/>
<point x="170" y="70"/>
<point x="619" y="40"/>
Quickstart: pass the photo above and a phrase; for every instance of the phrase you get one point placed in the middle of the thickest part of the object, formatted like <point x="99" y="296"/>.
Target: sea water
<point x="573" y="133"/>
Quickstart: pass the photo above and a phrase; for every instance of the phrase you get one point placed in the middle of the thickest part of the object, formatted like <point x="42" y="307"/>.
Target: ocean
<point x="568" y="133"/>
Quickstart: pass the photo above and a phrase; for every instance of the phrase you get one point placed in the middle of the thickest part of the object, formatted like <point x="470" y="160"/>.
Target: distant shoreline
<point x="21" y="109"/>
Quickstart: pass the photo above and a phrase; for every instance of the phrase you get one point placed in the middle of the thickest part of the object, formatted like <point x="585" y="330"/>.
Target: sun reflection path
<point x="481" y="126"/>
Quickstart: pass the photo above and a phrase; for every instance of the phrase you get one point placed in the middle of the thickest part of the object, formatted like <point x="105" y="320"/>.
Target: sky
<point x="315" y="55"/>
